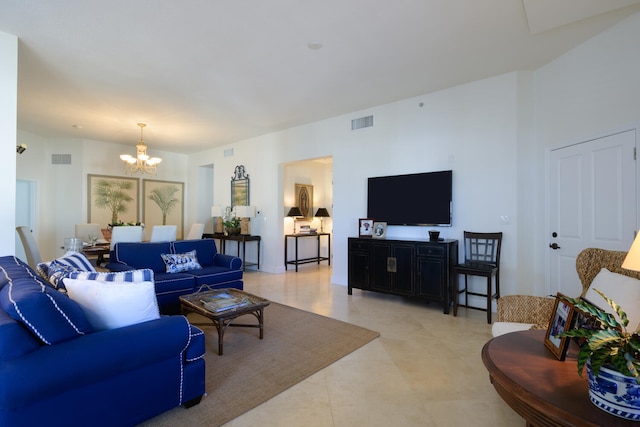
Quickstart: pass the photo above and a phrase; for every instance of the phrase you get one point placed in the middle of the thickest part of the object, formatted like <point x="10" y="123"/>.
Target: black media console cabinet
<point x="413" y="268"/>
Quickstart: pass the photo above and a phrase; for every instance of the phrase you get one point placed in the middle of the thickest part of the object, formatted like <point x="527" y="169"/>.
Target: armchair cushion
<point x="205" y="251"/>
<point x="624" y="290"/>
<point x="50" y="315"/>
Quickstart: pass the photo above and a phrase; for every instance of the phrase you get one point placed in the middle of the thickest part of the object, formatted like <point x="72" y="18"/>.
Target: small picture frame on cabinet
<point x="379" y="230"/>
<point x="561" y="321"/>
<point x="365" y="227"/>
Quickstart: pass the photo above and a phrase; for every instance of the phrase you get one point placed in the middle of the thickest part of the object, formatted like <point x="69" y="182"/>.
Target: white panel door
<point x="592" y="203"/>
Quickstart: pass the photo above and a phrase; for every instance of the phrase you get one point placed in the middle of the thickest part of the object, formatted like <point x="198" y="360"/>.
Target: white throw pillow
<point x="110" y="305"/>
<point x="624" y="290"/>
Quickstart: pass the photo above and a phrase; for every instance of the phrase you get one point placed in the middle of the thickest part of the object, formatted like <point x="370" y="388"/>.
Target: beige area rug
<point x="296" y="344"/>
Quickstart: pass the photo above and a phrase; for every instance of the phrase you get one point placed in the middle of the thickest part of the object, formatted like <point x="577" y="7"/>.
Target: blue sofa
<point x="218" y="270"/>
<point x="55" y="370"/>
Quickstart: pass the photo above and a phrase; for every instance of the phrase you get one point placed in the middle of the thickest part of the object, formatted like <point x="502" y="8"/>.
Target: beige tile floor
<point x="425" y="368"/>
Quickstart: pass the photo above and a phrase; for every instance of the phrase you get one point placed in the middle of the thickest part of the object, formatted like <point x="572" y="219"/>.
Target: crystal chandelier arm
<point x="142" y="162"/>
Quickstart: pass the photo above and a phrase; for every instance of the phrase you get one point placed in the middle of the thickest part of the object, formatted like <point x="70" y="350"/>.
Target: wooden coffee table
<point x="539" y="387"/>
<point x="191" y="303"/>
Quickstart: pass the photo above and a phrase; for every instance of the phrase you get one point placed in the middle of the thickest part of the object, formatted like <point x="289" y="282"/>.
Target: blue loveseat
<point x="55" y="370"/>
<point x="218" y="270"/>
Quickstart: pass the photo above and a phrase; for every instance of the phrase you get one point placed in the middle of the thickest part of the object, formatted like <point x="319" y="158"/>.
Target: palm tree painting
<point x="112" y="199"/>
<point x="163" y="203"/>
<point x="165" y="199"/>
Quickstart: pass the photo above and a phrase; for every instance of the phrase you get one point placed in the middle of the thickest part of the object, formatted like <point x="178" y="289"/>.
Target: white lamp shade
<point x="245" y="211"/>
<point x="632" y="261"/>
<point x="216" y="210"/>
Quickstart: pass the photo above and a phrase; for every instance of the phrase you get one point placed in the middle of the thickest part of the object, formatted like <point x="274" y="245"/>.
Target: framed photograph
<point x="163" y="204"/>
<point x="379" y="230"/>
<point x="304" y="200"/>
<point x="561" y="321"/>
<point x="112" y="199"/>
<point x="365" y="227"/>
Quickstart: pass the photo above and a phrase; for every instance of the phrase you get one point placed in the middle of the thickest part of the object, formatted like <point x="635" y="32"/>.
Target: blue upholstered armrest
<point x="228" y="261"/>
<point x="92" y="358"/>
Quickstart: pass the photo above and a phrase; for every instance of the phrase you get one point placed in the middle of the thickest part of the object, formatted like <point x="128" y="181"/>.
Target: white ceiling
<point x="203" y="73"/>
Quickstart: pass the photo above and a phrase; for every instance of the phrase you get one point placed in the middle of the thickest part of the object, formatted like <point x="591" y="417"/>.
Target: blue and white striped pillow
<point x="142" y="275"/>
<point x="60" y="268"/>
<point x="72" y="259"/>
<point x="77" y="260"/>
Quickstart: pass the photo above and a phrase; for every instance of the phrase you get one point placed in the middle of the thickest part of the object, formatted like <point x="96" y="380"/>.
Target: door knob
<point x="554" y="246"/>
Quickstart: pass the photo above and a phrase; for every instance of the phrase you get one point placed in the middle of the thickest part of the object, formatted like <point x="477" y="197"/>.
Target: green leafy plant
<point x="607" y="342"/>
<point x="232" y="223"/>
<point x="120" y="223"/>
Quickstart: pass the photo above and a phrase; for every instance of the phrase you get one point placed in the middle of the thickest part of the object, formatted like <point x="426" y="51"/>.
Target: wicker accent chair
<point x="521" y="312"/>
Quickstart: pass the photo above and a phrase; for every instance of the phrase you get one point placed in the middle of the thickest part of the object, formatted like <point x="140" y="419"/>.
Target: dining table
<point x="99" y="250"/>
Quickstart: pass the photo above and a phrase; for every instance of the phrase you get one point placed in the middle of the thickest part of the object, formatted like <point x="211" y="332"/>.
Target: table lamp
<point x="632" y="260"/>
<point x="216" y="213"/>
<point x="294" y="212"/>
<point x="245" y="213"/>
<point x="322" y="214"/>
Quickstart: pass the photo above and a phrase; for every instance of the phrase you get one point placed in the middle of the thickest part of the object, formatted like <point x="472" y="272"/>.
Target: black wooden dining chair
<point x="481" y="258"/>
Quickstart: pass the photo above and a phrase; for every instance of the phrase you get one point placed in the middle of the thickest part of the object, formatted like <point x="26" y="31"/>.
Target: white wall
<point x="492" y="133"/>
<point x="8" y="120"/>
<point x="63" y="193"/>
<point x="471" y="129"/>
<point x="588" y="92"/>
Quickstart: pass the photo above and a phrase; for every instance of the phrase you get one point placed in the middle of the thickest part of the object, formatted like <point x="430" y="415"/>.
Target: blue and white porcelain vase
<point x="615" y="393"/>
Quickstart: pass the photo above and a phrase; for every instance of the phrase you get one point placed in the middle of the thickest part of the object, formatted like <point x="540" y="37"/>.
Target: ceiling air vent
<point x="228" y="152"/>
<point x="362" y="122"/>
<point x="61" y="159"/>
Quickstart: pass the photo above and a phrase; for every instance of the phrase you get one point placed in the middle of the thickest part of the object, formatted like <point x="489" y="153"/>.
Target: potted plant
<point x="612" y="356"/>
<point x="232" y="226"/>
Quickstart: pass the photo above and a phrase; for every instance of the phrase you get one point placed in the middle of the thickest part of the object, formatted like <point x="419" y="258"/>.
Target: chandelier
<point x="142" y="162"/>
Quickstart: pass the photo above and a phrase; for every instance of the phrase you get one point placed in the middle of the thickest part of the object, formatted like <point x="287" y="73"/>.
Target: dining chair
<point x="126" y="233"/>
<point x="30" y="246"/>
<point x="195" y="232"/>
<point x="481" y="258"/>
<point x="83" y="231"/>
<point x="163" y="233"/>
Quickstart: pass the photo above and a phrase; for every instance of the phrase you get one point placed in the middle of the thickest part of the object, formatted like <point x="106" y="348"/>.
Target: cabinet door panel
<point x="402" y="282"/>
<point x="431" y="274"/>
<point x="359" y="270"/>
<point x="380" y="278"/>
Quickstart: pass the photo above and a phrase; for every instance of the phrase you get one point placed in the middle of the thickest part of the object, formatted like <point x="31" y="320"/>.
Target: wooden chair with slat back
<point x="481" y="258"/>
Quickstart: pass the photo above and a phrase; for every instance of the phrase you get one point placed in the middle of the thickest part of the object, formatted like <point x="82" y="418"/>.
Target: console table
<point x="241" y="239"/>
<point x="539" y="387"/>
<point x="297" y="261"/>
<point x="412" y="268"/>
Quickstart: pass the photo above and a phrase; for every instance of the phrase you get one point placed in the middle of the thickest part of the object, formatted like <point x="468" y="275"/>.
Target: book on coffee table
<point x="223" y="302"/>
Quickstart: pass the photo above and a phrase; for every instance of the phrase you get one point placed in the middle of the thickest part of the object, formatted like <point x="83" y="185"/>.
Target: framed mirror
<point x="239" y="187"/>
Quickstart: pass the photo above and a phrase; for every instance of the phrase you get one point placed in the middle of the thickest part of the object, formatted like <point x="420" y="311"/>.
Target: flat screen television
<point x="413" y="199"/>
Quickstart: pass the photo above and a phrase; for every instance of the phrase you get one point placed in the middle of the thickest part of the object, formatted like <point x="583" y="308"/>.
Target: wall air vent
<point x="228" y="152"/>
<point x="61" y="159"/>
<point x="362" y="122"/>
